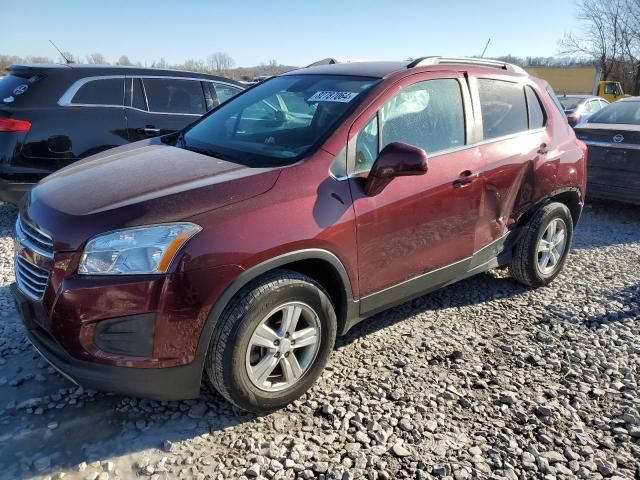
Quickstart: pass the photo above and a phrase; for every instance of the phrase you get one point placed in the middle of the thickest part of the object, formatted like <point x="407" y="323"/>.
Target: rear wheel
<point x="272" y="341"/>
<point x="541" y="252"/>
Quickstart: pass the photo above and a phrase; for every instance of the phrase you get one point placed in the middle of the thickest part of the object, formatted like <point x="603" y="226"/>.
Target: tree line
<point x="609" y="33"/>
<point x="218" y="63"/>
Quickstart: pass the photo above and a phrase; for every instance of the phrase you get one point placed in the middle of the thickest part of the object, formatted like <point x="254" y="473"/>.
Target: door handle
<point x="151" y="130"/>
<point x="466" y="178"/>
<point x="543" y="149"/>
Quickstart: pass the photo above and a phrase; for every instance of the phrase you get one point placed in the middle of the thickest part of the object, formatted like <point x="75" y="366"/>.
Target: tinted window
<point x="536" y="113"/>
<point x="109" y="91"/>
<point x="367" y="146"/>
<point x="504" y="110"/>
<point x="619" y="113"/>
<point x="225" y="92"/>
<point x="174" y="96"/>
<point x="266" y="126"/>
<point x="137" y="99"/>
<point x="427" y="115"/>
<point x="14" y="88"/>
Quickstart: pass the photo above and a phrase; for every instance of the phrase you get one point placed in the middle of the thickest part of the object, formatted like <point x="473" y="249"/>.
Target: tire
<point x="526" y="263"/>
<point x="231" y="352"/>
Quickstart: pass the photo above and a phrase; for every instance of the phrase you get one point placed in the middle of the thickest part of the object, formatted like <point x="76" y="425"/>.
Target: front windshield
<point x="570" y="103"/>
<point x="619" y="112"/>
<point x="277" y="122"/>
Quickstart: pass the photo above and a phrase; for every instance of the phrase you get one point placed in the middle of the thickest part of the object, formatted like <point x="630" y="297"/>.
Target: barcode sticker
<point x="329" y="96"/>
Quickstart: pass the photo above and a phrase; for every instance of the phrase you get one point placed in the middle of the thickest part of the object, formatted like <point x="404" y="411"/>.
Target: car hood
<point x="142" y="183"/>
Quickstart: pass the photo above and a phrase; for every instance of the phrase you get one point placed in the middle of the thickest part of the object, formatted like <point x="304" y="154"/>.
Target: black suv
<point x="53" y="115"/>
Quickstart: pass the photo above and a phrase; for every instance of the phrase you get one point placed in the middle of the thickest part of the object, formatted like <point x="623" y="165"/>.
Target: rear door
<point x="162" y="105"/>
<point x="514" y="138"/>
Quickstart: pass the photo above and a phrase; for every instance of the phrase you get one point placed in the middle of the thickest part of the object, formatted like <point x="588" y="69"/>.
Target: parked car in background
<point x="54" y="115"/>
<point x="239" y="248"/>
<point x="613" y="138"/>
<point x="579" y="108"/>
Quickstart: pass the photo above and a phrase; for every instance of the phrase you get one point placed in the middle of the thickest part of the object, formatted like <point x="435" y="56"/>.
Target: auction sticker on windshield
<point x="329" y="96"/>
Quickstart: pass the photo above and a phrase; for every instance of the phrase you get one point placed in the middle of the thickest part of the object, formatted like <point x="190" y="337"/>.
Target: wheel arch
<point x="321" y="265"/>
<point x="570" y="197"/>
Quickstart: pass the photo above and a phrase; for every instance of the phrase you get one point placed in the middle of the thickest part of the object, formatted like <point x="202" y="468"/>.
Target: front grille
<point x="38" y="241"/>
<point x="31" y="280"/>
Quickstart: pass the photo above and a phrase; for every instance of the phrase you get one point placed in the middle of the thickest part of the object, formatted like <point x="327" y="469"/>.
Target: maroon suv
<point x="239" y="248"/>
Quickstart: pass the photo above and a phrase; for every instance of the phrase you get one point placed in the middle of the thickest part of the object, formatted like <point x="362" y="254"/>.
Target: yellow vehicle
<point x="579" y="81"/>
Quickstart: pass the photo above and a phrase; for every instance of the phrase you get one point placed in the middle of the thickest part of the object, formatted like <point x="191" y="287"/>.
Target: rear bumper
<point x="614" y="192"/>
<point x="168" y="383"/>
<point x="12" y="192"/>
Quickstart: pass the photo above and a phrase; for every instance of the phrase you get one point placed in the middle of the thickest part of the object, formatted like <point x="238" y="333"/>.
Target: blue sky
<point x="291" y="32"/>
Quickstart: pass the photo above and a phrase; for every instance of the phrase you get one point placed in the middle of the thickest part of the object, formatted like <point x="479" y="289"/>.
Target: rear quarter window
<point x="106" y="91"/>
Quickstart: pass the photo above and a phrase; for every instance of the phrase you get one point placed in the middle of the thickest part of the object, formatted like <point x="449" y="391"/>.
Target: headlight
<point x="135" y="251"/>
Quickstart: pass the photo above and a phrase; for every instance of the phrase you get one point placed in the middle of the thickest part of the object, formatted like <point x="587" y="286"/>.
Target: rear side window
<point x="536" y="113"/>
<point x="14" y="88"/>
<point x="225" y="92"/>
<point x="504" y="109"/>
<point x="174" y="96"/>
<point x="107" y="91"/>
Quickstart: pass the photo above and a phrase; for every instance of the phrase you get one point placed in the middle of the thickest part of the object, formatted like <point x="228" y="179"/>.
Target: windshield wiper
<point x="207" y="151"/>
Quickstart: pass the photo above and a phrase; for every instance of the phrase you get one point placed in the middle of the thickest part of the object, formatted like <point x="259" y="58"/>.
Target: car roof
<point x="82" y="70"/>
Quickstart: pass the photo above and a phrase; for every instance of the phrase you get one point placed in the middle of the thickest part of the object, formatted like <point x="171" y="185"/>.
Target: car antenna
<point x="60" y="52"/>
<point x="485" y="48"/>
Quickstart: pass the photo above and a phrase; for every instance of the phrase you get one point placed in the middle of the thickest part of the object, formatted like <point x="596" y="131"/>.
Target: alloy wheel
<point x="283" y="347"/>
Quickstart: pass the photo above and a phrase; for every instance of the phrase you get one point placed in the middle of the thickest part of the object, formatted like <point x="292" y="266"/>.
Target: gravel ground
<point x="485" y="379"/>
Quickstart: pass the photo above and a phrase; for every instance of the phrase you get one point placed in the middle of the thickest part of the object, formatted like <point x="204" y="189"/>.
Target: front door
<point x="424" y="223"/>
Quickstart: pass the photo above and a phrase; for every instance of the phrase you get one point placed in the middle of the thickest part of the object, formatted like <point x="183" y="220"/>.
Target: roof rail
<point x="483" y="62"/>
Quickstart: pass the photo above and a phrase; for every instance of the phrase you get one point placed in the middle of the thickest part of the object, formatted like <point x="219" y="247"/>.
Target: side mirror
<point x="395" y="160"/>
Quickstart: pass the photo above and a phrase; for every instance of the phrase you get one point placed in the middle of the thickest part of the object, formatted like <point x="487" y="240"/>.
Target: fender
<point x="254" y="272"/>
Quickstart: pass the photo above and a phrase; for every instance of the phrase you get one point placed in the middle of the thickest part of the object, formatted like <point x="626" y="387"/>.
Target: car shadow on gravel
<point x="481" y="288"/>
<point x="48" y="424"/>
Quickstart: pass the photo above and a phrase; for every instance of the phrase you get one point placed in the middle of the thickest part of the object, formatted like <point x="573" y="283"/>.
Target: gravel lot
<point x="485" y="379"/>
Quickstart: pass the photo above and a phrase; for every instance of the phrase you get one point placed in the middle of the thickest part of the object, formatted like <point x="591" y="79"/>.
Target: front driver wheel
<point x="272" y="341"/>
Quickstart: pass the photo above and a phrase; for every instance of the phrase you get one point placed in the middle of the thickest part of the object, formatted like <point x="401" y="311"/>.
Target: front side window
<point x="428" y="115"/>
<point x="367" y="146"/>
<point x="168" y="95"/>
<point x="278" y="121"/>
<point x="106" y="91"/>
<point x="504" y="109"/>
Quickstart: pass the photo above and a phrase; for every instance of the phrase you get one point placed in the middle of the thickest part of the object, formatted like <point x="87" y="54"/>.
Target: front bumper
<point x="12" y="192"/>
<point x="168" y="383"/>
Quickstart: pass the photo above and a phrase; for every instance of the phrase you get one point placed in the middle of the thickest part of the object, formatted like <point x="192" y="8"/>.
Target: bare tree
<point x="124" y="60"/>
<point x="192" y="65"/>
<point x="97" y="59"/>
<point x="220" y="62"/>
<point x="600" y="34"/>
